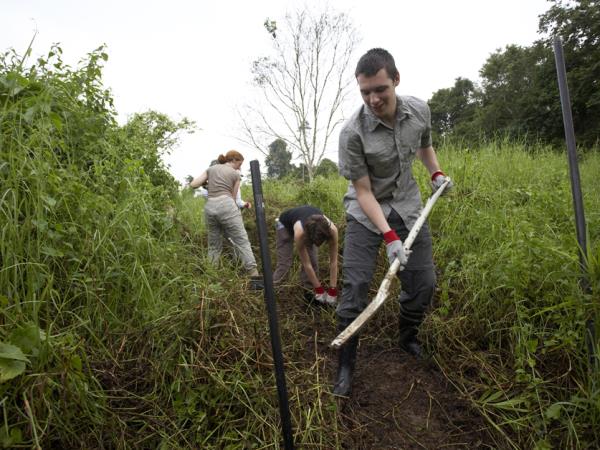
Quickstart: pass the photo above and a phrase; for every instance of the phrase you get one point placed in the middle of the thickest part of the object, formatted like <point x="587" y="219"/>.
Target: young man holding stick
<point x="376" y="150"/>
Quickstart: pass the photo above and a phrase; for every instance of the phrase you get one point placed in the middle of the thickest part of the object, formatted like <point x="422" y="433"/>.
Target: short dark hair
<point x="316" y="230"/>
<point x="373" y="61"/>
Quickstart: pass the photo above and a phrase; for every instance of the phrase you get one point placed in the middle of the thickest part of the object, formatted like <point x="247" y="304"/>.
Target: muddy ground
<point x="398" y="401"/>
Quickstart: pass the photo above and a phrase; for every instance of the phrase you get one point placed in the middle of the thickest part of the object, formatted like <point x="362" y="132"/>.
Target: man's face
<point x="378" y="93"/>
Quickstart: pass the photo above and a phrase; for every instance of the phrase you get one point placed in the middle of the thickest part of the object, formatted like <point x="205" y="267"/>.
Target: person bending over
<point x="308" y="228"/>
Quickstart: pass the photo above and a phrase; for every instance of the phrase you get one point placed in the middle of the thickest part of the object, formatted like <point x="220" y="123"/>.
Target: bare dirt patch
<point x="398" y="402"/>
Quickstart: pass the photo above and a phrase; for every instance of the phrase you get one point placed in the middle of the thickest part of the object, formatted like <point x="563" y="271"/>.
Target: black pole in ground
<point x="284" y="409"/>
<point x="565" y="101"/>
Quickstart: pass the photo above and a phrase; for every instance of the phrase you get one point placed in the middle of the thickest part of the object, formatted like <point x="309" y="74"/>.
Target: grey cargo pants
<point x="361" y="247"/>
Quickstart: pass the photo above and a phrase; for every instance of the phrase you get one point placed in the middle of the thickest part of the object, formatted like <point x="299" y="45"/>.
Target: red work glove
<point x="331" y="298"/>
<point x="394" y="248"/>
<point x="437" y="179"/>
<point x="320" y="294"/>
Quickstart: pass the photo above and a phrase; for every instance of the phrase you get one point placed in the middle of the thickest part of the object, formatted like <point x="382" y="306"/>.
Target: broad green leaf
<point x="9" y="351"/>
<point x="55" y="118"/>
<point x="41" y="224"/>
<point x="12" y="362"/>
<point x="76" y="363"/>
<point x="14" y="90"/>
<point x="28" y="338"/>
<point x="532" y="345"/>
<point x="10" y="369"/>
<point x="48" y="200"/>
<point x="10" y="437"/>
<point x="553" y="411"/>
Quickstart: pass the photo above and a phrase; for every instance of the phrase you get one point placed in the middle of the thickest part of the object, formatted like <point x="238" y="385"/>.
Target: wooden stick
<point x="383" y="291"/>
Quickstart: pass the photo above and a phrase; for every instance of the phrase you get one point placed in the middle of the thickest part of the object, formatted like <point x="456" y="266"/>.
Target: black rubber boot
<point x="256" y="283"/>
<point x="346" y="364"/>
<point x="408" y="337"/>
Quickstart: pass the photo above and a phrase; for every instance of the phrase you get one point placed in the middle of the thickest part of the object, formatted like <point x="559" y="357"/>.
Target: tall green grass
<point x="509" y="327"/>
<point x="509" y="321"/>
<point x="116" y="333"/>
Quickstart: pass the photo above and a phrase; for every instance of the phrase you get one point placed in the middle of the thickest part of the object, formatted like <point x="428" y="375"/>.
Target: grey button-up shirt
<point x="368" y="146"/>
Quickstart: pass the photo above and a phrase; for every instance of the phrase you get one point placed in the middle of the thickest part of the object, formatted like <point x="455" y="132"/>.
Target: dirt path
<point x="402" y="403"/>
<point x="398" y="402"/>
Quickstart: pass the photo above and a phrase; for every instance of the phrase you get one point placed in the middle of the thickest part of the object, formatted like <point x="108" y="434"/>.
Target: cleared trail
<point x="397" y="402"/>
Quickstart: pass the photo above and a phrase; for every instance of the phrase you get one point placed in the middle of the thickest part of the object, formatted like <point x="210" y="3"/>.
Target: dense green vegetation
<point x="510" y="324"/>
<point x="116" y="333"/>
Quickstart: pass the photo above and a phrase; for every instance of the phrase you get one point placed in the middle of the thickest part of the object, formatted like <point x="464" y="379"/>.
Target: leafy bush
<point x="114" y="331"/>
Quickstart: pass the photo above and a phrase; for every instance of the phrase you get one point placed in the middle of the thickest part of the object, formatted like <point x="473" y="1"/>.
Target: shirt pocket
<point x="407" y="153"/>
<point x="382" y="163"/>
<point x="408" y="143"/>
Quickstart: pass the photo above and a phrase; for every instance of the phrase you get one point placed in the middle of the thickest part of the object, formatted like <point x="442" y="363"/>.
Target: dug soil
<point x="397" y="402"/>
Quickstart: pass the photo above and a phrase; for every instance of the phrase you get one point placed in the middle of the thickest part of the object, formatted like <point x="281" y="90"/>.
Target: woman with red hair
<point x="223" y="216"/>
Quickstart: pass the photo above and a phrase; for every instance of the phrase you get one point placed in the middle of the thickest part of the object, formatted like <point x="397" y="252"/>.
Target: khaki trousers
<point x="224" y="219"/>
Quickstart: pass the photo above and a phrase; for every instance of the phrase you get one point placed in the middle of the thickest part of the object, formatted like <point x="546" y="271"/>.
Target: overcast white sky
<point x="192" y="58"/>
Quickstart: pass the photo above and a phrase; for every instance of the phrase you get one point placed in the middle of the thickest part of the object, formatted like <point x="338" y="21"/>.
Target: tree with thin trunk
<point x="302" y="86"/>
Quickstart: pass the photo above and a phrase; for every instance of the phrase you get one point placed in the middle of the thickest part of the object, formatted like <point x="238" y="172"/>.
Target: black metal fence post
<point x="565" y="101"/>
<point x="284" y="409"/>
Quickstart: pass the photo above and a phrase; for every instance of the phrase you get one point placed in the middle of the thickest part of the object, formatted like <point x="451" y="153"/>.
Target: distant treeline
<point x="518" y="95"/>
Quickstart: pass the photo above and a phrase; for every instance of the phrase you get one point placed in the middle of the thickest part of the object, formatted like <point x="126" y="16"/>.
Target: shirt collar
<point x="402" y="112"/>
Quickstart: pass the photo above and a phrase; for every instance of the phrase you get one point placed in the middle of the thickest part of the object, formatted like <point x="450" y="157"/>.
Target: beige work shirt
<point x="221" y="180"/>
